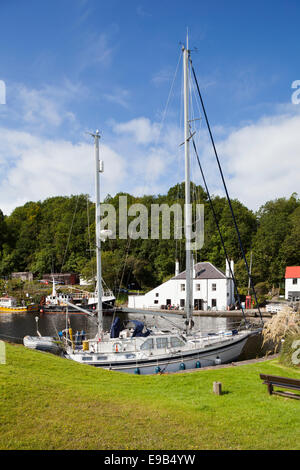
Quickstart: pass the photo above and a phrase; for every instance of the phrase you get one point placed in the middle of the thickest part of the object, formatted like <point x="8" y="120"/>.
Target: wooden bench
<point x="282" y="382"/>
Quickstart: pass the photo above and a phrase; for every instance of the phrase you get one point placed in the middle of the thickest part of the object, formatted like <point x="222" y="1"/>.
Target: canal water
<point x="14" y="326"/>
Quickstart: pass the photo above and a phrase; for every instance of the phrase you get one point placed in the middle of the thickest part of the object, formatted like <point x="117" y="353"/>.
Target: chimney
<point x="176" y="267"/>
<point x="193" y="266"/>
<point x="227" y="272"/>
<point x="232" y="267"/>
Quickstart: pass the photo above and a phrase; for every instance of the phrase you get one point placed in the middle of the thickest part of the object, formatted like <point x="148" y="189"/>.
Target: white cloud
<point x="141" y="129"/>
<point x="162" y="76"/>
<point x="263" y="160"/>
<point x="142" y="12"/>
<point x="38" y="107"/>
<point x="43" y="109"/>
<point x="33" y="168"/>
<point x="97" y="49"/>
<point x="119" y="96"/>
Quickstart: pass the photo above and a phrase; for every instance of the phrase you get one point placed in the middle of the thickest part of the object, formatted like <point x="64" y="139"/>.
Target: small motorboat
<point x="42" y="343"/>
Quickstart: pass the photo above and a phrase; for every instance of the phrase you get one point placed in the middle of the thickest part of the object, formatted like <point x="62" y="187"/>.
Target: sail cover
<point x="138" y="331"/>
<point x="115" y="328"/>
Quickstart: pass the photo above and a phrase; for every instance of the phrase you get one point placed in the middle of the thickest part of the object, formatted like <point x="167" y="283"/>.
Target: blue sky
<point x="70" y="66"/>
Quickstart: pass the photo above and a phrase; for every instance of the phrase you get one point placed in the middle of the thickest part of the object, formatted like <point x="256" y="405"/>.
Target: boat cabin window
<point x="148" y="344"/>
<point x="161" y="343"/>
<point x="176" y="342"/>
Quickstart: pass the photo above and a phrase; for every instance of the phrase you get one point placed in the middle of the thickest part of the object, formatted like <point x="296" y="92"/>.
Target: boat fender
<point x="137" y="371"/>
<point x="182" y="366"/>
<point x="117" y="347"/>
<point x="198" y="365"/>
<point x="157" y="369"/>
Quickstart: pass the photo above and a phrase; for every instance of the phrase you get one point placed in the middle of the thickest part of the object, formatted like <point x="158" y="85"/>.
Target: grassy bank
<point x="51" y="403"/>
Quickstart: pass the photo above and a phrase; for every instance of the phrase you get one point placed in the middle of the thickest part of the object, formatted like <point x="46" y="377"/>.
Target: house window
<point x="182" y="287"/>
<point x="197" y="286"/>
<point x="156" y="301"/>
<point x="294" y="281"/>
<point x="182" y="302"/>
<point x="214" y="287"/>
<point x="157" y="294"/>
<point x="213" y="302"/>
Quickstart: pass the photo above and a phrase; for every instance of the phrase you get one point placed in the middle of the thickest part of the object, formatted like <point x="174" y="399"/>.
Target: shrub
<point x="290" y="351"/>
<point x="281" y="326"/>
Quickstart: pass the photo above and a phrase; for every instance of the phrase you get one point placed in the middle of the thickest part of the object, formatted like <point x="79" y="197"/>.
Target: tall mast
<point x="250" y="272"/>
<point x="188" y="214"/>
<point x="98" y="240"/>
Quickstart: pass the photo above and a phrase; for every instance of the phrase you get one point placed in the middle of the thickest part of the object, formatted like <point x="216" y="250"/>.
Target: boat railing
<point x="90" y="295"/>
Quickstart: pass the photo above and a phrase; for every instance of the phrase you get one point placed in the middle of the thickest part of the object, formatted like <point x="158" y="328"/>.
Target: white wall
<point x="172" y="290"/>
<point x="290" y="287"/>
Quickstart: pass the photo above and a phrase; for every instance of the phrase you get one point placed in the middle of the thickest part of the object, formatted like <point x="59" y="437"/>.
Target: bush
<point x="290" y="351"/>
<point x="281" y="326"/>
<point x="262" y="288"/>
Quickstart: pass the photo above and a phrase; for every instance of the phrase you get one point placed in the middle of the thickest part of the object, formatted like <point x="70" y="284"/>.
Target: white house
<point x="292" y="283"/>
<point x="212" y="289"/>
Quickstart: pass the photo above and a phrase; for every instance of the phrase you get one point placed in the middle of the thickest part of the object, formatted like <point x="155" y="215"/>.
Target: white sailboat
<point x="145" y="351"/>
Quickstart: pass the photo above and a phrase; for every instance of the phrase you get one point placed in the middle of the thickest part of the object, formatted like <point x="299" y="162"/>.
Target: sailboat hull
<point x="184" y="360"/>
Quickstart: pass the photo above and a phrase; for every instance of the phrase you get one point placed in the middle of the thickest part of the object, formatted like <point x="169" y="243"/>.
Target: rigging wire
<point x="218" y="227"/>
<point x="77" y="198"/>
<point x="88" y="221"/>
<point x="225" y="187"/>
<point x="168" y="100"/>
<point x="179" y="171"/>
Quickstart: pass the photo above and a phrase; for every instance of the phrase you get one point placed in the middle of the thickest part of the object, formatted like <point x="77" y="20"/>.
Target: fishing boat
<point x="9" y="304"/>
<point x="141" y="350"/>
<point x="58" y="301"/>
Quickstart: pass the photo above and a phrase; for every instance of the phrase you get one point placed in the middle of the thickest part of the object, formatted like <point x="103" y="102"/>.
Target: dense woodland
<point x="58" y="235"/>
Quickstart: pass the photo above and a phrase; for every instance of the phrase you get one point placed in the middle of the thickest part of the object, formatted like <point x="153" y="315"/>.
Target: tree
<point x="275" y="225"/>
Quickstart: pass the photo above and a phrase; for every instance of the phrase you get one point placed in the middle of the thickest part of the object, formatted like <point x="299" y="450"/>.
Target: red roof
<point x="292" y="272"/>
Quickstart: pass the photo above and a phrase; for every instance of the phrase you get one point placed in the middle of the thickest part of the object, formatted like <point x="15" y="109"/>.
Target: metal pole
<point x="250" y="272"/>
<point x="98" y="240"/>
<point x="188" y="214"/>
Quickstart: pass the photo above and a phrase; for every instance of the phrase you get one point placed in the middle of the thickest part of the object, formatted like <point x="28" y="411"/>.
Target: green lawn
<point x="51" y="403"/>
